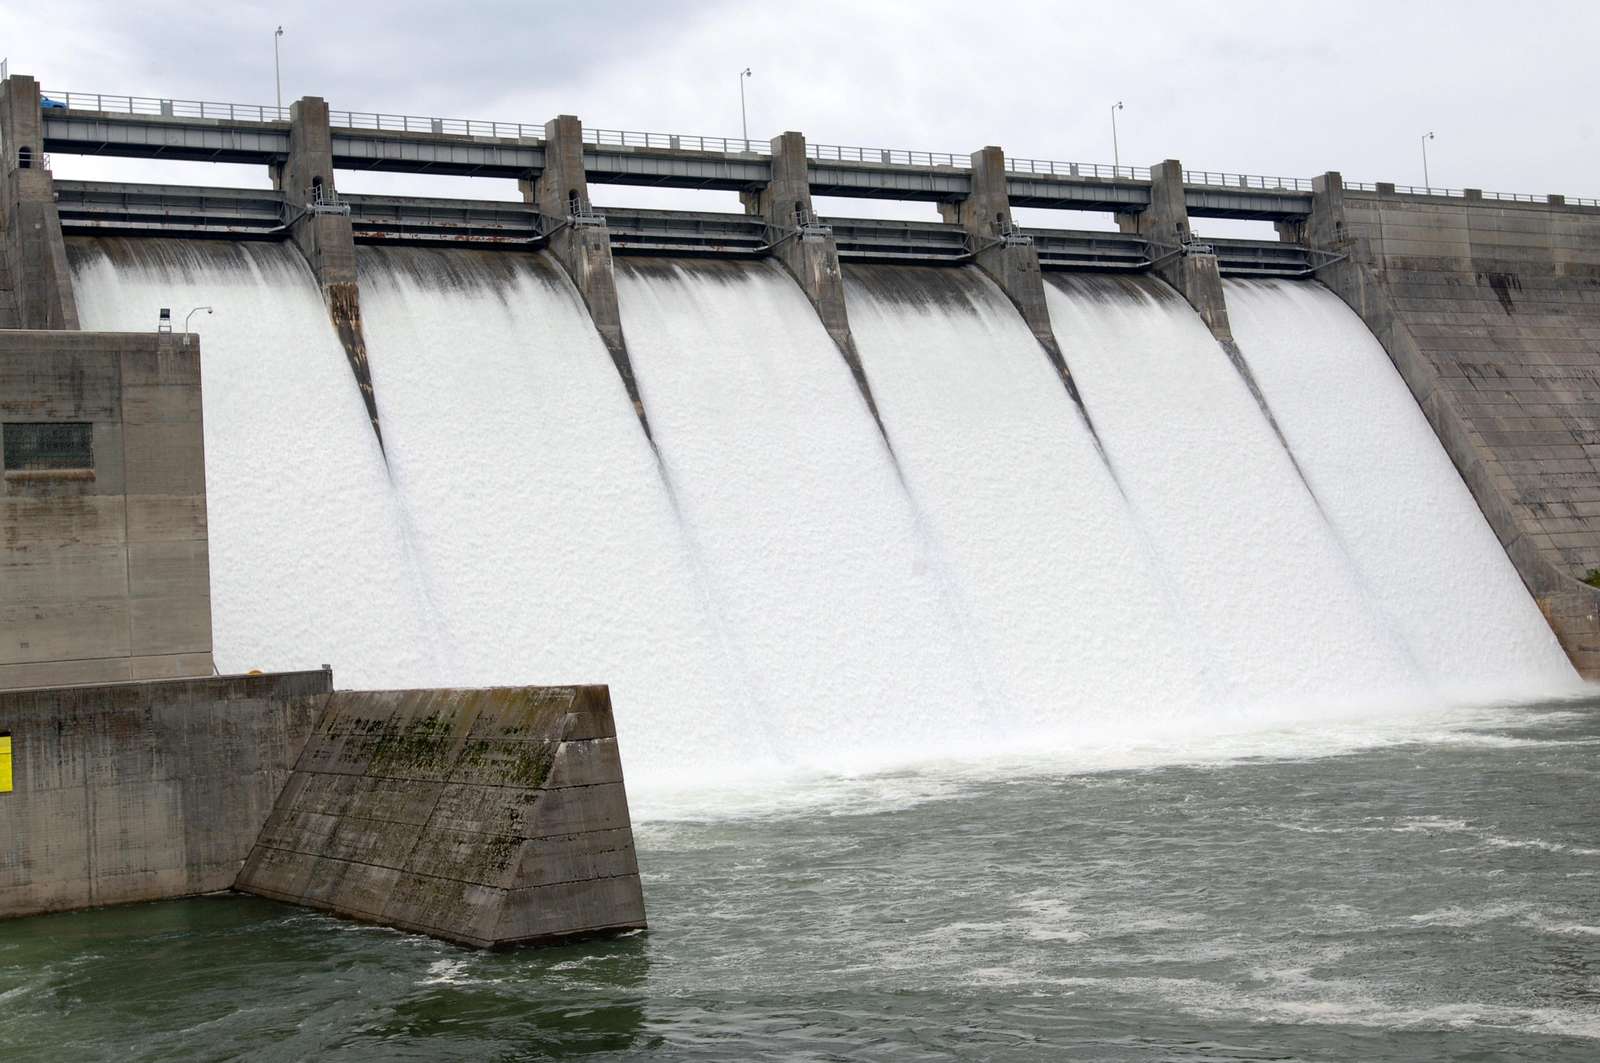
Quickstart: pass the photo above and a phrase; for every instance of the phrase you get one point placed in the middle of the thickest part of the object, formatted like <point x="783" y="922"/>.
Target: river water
<point x="1418" y="888"/>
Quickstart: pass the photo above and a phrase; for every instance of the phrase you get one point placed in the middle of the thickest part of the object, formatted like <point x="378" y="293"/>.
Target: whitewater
<point x="776" y="585"/>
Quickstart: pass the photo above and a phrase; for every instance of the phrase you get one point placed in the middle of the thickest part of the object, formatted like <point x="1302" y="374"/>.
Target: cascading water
<point x="1391" y="492"/>
<point x="774" y="585"/>
<point x="834" y="602"/>
<point x="1260" y="577"/>
<point x="308" y="559"/>
<point x="1066" y="597"/>
<point x="549" y="542"/>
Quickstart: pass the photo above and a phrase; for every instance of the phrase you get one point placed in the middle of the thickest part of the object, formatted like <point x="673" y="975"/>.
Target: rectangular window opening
<point x="5" y="763"/>
<point x="48" y="450"/>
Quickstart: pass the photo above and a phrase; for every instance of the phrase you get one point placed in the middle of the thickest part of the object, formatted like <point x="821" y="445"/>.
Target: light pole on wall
<point x="277" y="73"/>
<point x="192" y="313"/>
<point x="1116" y="153"/>
<point x="744" y="123"/>
<point x="1426" y="183"/>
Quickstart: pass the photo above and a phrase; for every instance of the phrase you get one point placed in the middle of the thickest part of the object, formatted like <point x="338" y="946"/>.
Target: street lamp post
<point x="1116" y="153"/>
<point x="744" y="123"/>
<point x="1426" y="182"/>
<point x="277" y="72"/>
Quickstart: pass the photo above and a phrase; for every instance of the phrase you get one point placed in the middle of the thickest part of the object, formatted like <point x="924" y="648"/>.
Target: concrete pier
<point x="320" y="228"/>
<point x="578" y="239"/>
<point x="484" y="817"/>
<point x="35" y="265"/>
<point x="807" y="249"/>
<point x="1009" y="259"/>
<point x="1188" y="265"/>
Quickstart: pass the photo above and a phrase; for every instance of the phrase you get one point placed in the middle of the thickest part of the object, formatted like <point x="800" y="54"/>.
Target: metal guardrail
<point x="116" y="103"/>
<point x="151" y="105"/>
<point x="407" y="123"/>
<point x="1461" y="193"/>
<point x="887" y="156"/>
<point x="1051" y="168"/>
<point x="629" y="138"/>
<point x="1246" y="180"/>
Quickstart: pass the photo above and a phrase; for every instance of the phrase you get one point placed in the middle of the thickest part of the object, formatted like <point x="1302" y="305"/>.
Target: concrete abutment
<point x="1486" y="312"/>
<point x="35" y="254"/>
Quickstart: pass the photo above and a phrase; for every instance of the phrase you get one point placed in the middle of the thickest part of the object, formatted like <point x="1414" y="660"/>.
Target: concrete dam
<point x="810" y="492"/>
<point x="774" y="575"/>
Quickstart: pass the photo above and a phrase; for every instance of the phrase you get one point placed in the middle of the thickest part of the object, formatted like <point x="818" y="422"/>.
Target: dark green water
<point x="1433" y="896"/>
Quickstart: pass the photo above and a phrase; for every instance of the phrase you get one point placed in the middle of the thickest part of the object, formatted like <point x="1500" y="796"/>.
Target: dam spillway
<point x="774" y="583"/>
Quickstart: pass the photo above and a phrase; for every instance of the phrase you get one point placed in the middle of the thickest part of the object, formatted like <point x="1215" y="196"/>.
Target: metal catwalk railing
<point x="117" y="103"/>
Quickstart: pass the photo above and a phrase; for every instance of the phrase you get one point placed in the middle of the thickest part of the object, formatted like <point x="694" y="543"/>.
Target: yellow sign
<point x="5" y="764"/>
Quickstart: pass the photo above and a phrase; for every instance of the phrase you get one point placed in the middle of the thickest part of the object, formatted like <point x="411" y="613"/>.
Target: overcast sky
<point x="1272" y="88"/>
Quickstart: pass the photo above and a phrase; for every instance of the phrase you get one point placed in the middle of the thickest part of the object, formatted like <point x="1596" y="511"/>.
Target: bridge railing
<point x="1246" y="180"/>
<point x="887" y="156"/>
<point x="154" y="105"/>
<point x="630" y="138"/>
<point x="1053" y="168"/>
<point x="117" y="103"/>
<point x="411" y="123"/>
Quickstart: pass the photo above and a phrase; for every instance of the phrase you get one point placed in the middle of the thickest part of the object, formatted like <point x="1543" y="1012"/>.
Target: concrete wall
<point x="35" y="257"/>
<point x="141" y="791"/>
<point x="1491" y="312"/>
<point x="104" y="569"/>
<point x="485" y="817"/>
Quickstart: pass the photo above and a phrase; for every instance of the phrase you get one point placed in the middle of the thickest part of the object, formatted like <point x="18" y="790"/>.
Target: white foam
<point x="1279" y="607"/>
<point x="309" y="562"/>
<point x="833" y="598"/>
<point x="1391" y="491"/>
<point x="549" y="542"/>
<point x="1065" y="599"/>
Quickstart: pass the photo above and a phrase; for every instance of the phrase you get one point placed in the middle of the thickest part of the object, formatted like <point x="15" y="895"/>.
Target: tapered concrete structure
<point x="322" y="232"/>
<point x="1189" y="267"/>
<point x="578" y="239"/>
<point x="485" y="817"/>
<point x="1005" y="255"/>
<point x="807" y="249"/>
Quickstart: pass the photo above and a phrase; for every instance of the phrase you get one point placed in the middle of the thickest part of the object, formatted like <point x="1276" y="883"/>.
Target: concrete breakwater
<point x="484" y="817"/>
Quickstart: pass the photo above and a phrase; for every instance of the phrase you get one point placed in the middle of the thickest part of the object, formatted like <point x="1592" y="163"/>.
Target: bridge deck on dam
<point x="109" y="207"/>
<point x="659" y="160"/>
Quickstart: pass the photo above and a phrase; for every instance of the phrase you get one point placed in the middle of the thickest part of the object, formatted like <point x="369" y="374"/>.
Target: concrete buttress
<point x="579" y="240"/>
<point x="1007" y="257"/>
<point x="807" y="249"/>
<point x="35" y="253"/>
<point x="322" y="232"/>
<point x="1182" y="264"/>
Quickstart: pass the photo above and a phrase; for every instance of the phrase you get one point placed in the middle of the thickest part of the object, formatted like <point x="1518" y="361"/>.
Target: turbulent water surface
<point x="1414" y="892"/>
